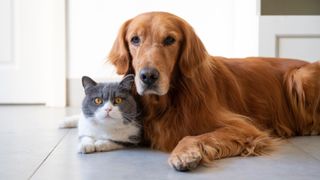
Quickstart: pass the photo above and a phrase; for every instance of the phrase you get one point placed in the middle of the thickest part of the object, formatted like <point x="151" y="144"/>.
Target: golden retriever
<point x="202" y="107"/>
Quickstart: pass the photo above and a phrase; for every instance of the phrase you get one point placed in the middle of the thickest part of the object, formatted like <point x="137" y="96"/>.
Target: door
<point x="32" y="52"/>
<point x="290" y="29"/>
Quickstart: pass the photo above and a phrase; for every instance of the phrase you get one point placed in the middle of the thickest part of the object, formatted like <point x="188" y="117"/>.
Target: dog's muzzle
<point x="149" y="76"/>
<point x="147" y="81"/>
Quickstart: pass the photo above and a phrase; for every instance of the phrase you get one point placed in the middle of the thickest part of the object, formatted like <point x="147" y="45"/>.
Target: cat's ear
<point x="127" y="82"/>
<point x="88" y="82"/>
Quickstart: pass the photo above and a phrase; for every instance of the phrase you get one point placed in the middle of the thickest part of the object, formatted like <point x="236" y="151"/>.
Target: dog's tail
<point x="70" y="122"/>
<point x="303" y="90"/>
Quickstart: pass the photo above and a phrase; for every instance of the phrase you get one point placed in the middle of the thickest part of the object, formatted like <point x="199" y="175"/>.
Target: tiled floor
<point x="32" y="147"/>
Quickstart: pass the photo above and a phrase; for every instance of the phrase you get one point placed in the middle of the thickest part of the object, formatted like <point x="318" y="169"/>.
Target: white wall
<point x="227" y="28"/>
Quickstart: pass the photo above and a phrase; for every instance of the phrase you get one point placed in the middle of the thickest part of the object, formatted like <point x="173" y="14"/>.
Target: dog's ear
<point x="193" y="51"/>
<point x="119" y="55"/>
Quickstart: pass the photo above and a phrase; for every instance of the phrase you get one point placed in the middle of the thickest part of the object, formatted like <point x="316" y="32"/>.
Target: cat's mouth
<point x="108" y="113"/>
<point x="108" y="116"/>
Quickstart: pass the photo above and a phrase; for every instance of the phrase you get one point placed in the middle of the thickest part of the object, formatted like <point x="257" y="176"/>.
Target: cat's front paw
<point x="102" y="146"/>
<point x="86" y="148"/>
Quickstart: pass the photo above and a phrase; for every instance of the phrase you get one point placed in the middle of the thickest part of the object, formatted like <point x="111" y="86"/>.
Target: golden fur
<point x="210" y="107"/>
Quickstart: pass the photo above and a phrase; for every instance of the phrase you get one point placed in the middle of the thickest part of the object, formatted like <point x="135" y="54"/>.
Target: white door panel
<point x="290" y="37"/>
<point x="300" y="47"/>
<point x="21" y="71"/>
<point x="32" y="52"/>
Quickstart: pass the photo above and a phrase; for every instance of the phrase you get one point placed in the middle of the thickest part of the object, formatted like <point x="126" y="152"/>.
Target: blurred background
<point x="46" y="46"/>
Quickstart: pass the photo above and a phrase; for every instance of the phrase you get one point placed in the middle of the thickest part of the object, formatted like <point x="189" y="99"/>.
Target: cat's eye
<point x="98" y="101"/>
<point x="118" y="100"/>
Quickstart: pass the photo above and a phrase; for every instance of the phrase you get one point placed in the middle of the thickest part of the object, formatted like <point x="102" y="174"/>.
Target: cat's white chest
<point x="107" y="129"/>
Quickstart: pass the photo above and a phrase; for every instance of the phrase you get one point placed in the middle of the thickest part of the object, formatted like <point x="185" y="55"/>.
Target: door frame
<point x="56" y="84"/>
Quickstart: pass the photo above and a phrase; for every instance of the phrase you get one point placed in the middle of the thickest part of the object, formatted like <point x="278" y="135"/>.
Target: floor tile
<point x="134" y="163"/>
<point x="309" y="144"/>
<point x="288" y="162"/>
<point x="32" y="143"/>
<point x="27" y="135"/>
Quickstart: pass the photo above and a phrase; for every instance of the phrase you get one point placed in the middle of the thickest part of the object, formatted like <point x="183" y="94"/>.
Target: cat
<point x="110" y="116"/>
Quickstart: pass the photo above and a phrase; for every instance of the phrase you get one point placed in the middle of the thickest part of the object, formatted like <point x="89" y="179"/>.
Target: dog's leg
<point x="303" y="88"/>
<point x="238" y="137"/>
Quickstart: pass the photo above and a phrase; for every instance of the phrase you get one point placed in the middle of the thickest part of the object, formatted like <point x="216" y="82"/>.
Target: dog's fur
<point x="206" y="107"/>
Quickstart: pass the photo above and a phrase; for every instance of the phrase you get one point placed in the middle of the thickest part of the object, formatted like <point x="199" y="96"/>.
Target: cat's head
<point x="109" y="101"/>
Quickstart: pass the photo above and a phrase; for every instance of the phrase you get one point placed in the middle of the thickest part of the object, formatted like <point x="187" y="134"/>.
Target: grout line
<point x="301" y="149"/>
<point x="43" y="161"/>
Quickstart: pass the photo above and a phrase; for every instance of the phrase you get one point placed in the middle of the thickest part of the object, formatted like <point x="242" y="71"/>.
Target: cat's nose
<point x="108" y="109"/>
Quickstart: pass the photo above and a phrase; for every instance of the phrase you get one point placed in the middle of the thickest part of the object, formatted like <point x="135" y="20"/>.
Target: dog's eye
<point x="168" y="41"/>
<point x="135" y="40"/>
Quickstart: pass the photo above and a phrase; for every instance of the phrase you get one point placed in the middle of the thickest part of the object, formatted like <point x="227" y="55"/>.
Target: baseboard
<point x="75" y="92"/>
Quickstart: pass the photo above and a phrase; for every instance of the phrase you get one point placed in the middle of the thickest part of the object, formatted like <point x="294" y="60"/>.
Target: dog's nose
<point x="149" y="76"/>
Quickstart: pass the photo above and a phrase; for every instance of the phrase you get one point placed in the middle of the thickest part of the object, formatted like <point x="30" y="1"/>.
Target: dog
<point x="201" y="107"/>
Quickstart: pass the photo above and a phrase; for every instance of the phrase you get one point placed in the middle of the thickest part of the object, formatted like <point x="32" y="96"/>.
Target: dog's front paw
<point x="186" y="156"/>
<point x="87" y="148"/>
<point x="185" y="161"/>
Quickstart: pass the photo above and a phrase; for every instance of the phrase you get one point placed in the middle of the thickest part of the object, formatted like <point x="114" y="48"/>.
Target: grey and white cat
<point x="109" y="118"/>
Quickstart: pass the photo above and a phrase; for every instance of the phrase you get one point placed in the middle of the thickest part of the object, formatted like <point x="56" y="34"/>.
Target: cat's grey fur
<point x="108" y="126"/>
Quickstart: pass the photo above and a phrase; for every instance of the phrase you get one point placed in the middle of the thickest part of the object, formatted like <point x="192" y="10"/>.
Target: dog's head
<point x="154" y="45"/>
